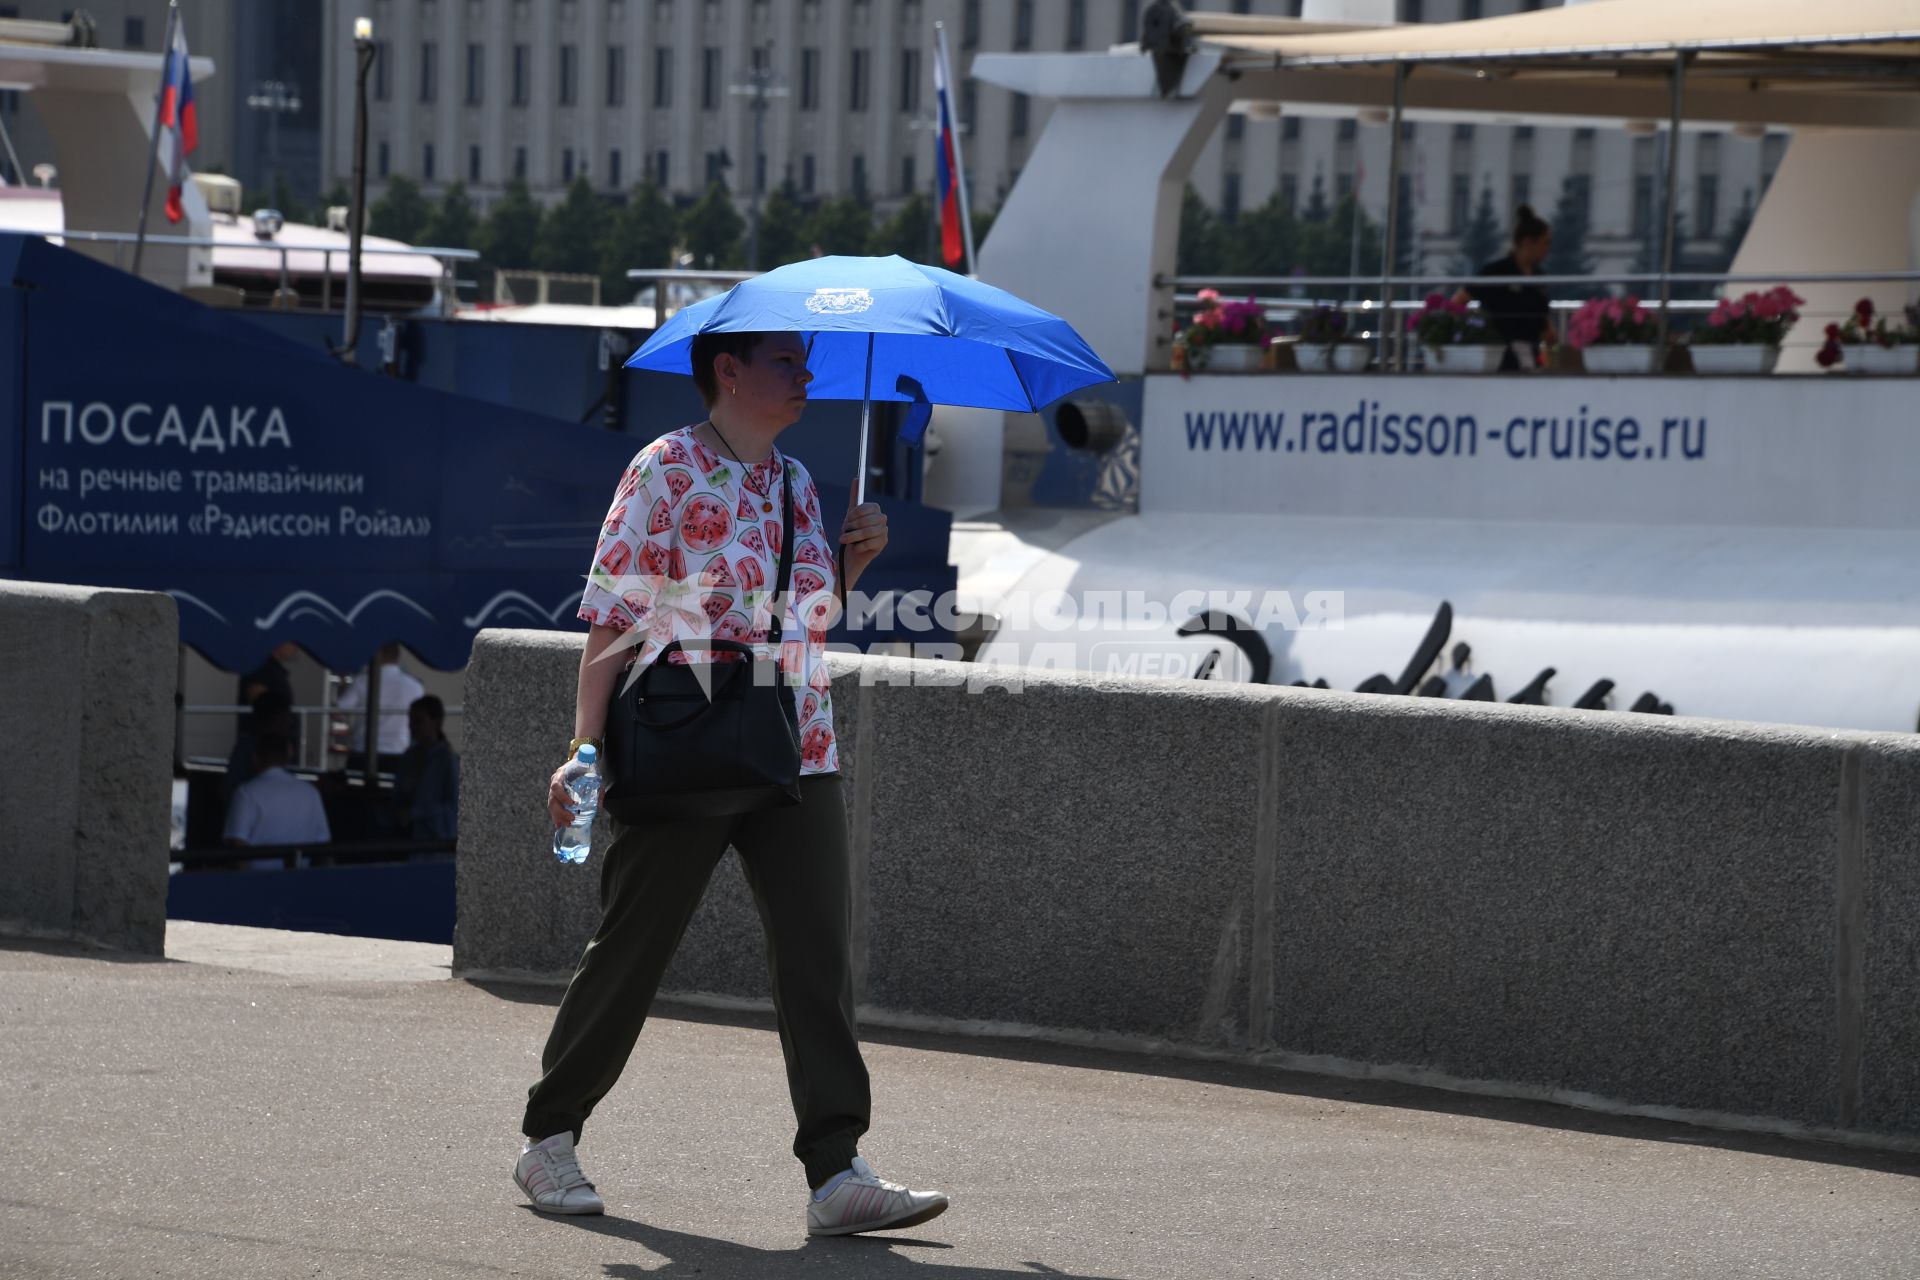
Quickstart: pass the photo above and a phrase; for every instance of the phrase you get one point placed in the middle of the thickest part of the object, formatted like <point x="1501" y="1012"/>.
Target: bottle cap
<point x="586" y="754"/>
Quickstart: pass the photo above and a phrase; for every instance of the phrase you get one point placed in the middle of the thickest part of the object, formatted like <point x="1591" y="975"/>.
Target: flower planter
<point x="1871" y="357"/>
<point x="1615" y="358"/>
<point x="1465" y="357"/>
<point x="1233" y="357"/>
<point x="1734" y="358"/>
<point x="1341" y="357"/>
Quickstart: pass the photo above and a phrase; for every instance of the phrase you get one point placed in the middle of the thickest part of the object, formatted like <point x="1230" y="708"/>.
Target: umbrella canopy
<point x="873" y="321"/>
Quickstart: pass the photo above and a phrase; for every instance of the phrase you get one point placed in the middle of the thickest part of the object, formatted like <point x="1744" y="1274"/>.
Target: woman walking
<point x="1518" y="312"/>
<point x="689" y="551"/>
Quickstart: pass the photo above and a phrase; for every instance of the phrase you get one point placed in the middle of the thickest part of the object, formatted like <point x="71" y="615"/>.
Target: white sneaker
<point x="549" y="1172"/>
<point x="864" y="1201"/>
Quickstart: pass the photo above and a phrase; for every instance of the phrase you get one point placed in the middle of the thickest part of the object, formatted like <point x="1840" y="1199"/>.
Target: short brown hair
<point x="707" y="347"/>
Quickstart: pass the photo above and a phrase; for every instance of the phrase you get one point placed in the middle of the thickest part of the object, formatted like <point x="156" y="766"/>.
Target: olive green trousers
<point x="651" y="880"/>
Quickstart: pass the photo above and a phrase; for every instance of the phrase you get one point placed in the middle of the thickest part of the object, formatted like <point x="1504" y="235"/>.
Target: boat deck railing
<point x="446" y="293"/>
<point x="1359" y="299"/>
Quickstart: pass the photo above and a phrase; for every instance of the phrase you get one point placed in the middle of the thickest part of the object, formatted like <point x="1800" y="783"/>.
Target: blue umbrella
<point x="889" y="329"/>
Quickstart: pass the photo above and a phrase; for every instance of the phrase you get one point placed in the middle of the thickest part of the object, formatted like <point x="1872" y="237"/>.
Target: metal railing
<point x="1347" y="295"/>
<point x="446" y="291"/>
<point x="316" y="730"/>
<point x="661" y="277"/>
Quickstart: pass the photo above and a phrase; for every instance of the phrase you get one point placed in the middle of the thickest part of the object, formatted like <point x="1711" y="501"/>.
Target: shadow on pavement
<point x="1372" y="1093"/>
<point x="77" y="950"/>
<point x="857" y="1256"/>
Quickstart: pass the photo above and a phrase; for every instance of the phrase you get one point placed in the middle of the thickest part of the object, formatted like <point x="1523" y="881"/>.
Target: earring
<point x="736" y="388"/>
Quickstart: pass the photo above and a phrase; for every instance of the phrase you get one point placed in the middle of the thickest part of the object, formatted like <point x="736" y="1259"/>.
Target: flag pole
<point x="959" y="148"/>
<point x="153" y="146"/>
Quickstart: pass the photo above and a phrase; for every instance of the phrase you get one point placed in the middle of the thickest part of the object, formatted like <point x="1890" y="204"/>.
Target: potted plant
<point x="1743" y="335"/>
<point x="1224" y="336"/>
<point x="1614" y="335"/>
<point x="1323" y="344"/>
<point x="1873" y="344"/>
<point x="1457" y="339"/>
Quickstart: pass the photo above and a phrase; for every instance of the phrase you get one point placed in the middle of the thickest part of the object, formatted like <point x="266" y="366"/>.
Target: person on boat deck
<point x="275" y="807"/>
<point x="426" y="790"/>
<point x="1518" y="312"/>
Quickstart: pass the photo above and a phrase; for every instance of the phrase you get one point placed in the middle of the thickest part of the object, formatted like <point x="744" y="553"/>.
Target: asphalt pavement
<point x="265" y="1104"/>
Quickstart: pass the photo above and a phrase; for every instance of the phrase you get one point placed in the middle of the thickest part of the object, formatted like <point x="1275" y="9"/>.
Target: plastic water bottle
<point x="581" y="777"/>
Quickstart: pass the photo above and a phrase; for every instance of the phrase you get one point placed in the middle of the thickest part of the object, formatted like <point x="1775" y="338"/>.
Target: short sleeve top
<point x="690" y="550"/>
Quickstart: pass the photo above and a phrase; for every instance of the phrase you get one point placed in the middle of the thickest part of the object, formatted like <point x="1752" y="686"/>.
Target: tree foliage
<point x="712" y="228"/>
<point x="452" y="225"/>
<point x="401" y="213"/>
<point x="512" y="228"/>
<point x="909" y="232"/>
<point x="639" y="235"/>
<point x="1483" y="239"/>
<point x="1568" y="256"/>
<point x="573" y="234"/>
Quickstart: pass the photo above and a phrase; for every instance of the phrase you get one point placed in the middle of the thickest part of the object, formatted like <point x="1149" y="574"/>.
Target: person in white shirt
<point x="398" y="691"/>
<point x="275" y="807"/>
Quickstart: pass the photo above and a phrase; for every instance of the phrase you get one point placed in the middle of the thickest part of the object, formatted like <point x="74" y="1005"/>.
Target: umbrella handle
<point x="866" y="416"/>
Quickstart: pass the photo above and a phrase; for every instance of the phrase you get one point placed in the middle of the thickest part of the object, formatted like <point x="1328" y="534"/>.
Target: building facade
<point x="626" y="91"/>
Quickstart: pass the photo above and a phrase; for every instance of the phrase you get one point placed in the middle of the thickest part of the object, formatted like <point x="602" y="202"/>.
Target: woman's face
<point x="769" y="390"/>
<point x="1531" y="253"/>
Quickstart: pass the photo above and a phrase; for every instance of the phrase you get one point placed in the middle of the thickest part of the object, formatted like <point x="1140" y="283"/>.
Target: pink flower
<point x="1209" y="295"/>
<point x="1863" y="311"/>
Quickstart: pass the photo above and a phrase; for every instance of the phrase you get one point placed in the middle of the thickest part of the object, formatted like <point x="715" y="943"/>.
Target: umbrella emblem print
<point x="839" y="302"/>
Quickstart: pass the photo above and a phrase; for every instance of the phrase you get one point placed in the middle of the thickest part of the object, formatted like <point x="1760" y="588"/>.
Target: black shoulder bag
<point x="673" y="752"/>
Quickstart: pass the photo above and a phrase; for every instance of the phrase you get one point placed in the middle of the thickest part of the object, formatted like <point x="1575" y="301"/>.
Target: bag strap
<point x="785" y="573"/>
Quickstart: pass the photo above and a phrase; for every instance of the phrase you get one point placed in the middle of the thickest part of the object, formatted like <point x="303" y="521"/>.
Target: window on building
<point x="1076" y="24"/>
<point x="569" y="74"/>
<point x="859" y="175"/>
<point x="1289" y="192"/>
<point x="1523" y="133"/>
<point x="566" y="164"/>
<point x="522" y="57"/>
<point x="520" y="163"/>
<point x="970" y="25"/>
<point x="426" y="163"/>
<point x="616" y="76"/>
<point x="1289" y="128"/>
<point x="969" y="103"/>
<point x="716" y="168"/>
<point x="429" y="69"/>
<point x="476" y="73"/>
<point x="1404" y="188"/>
<point x="806" y="174"/>
<point x="907" y="175"/>
<point x="909" y="80"/>
<point x="1706" y="204"/>
<point x="1236" y="127"/>
<point x="1348" y="130"/>
<point x="382" y="55"/>
<point x="760" y="171"/>
<point x="1343" y="184"/>
<point x="1463" y="133"/>
<point x="473" y="164"/>
<point x="710" y="79"/>
<point x="1243" y="6"/>
<point x="1023" y="24"/>
<point x="1020" y="110"/>
<point x="381" y="161"/>
<point x="1643" y="204"/>
<point x="1412" y="11"/>
<point x="809" y="79"/>
<point x="857" y="84"/>
<point x="613" y="167"/>
<point x="1459" y="203"/>
<point x="1520" y="190"/>
<point x="663" y="77"/>
<point x="662" y="169"/>
<point x="1469" y="10"/>
<point x="136" y="33"/>
<point x="1230" y="197"/>
<point x="1129" y="21"/>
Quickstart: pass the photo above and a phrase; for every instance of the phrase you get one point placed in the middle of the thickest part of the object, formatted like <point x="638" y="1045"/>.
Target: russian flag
<point x="179" y="125"/>
<point x="953" y="247"/>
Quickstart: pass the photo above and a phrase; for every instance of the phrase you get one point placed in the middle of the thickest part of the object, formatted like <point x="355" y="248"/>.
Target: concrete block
<point x="1889" y="963"/>
<point x="1076" y="855"/>
<point x="87" y="679"/>
<point x="518" y="909"/>
<point x="1629" y="906"/>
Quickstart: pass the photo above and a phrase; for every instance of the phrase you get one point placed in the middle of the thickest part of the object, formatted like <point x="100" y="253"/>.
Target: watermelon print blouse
<point x="689" y="550"/>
